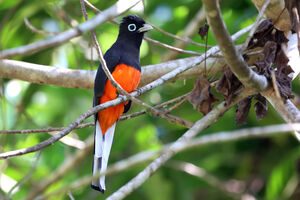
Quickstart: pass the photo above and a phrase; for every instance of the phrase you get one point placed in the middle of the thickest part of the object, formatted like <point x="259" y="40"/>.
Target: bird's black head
<point x="132" y="29"/>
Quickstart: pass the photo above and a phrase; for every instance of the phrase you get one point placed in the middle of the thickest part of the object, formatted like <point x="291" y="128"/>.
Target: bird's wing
<point x="112" y="59"/>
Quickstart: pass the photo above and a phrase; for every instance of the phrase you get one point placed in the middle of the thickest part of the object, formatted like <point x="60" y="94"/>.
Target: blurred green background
<point x="265" y="168"/>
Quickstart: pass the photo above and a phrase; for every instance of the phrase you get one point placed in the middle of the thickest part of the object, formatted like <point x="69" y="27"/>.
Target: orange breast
<point x="129" y="78"/>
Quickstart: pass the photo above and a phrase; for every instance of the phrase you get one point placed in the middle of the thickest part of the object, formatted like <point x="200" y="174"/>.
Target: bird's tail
<point x="102" y="149"/>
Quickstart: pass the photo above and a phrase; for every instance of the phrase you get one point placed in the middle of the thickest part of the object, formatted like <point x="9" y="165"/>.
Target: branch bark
<point x="84" y="79"/>
<point x="233" y="58"/>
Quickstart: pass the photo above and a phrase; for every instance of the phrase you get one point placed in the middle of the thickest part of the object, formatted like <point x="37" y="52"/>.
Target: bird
<point x="123" y="61"/>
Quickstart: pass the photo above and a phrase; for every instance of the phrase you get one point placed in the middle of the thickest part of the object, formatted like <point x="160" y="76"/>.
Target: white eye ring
<point x="131" y="27"/>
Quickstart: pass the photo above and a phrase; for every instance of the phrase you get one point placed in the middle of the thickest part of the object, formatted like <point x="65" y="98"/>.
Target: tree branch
<point x="124" y="117"/>
<point x="84" y="79"/>
<point x="287" y="110"/>
<point x="234" y="58"/>
<point x="112" y="12"/>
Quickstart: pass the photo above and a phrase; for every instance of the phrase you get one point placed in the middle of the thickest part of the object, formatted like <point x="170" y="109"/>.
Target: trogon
<point x="123" y="62"/>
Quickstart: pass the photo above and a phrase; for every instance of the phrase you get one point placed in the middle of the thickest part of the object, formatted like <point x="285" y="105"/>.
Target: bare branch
<point x="184" y="40"/>
<point x="43" y="74"/>
<point x="34" y="29"/>
<point x="233" y="58"/>
<point x="246" y="133"/>
<point x="84" y="79"/>
<point x="193" y="53"/>
<point x="42" y="130"/>
<point x="124" y="117"/>
<point x="287" y="109"/>
<point x="100" y="18"/>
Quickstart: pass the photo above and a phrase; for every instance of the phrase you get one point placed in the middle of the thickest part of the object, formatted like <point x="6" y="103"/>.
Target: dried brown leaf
<point x="262" y="34"/>
<point x="269" y="52"/>
<point x="260" y="107"/>
<point x="243" y="110"/>
<point x="201" y="96"/>
<point x="203" y="30"/>
<point x="228" y="84"/>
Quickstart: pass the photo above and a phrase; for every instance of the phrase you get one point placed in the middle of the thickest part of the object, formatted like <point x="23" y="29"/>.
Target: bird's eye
<point x="131" y="27"/>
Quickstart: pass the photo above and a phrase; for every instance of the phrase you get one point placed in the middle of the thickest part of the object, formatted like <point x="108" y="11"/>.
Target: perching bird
<point x="123" y="62"/>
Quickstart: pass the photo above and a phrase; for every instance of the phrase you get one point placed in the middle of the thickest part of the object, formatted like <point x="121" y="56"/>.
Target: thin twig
<point x="34" y="29"/>
<point x="172" y="48"/>
<point x="274" y="82"/>
<point x="124" y="117"/>
<point x="70" y="195"/>
<point x="42" y="130"/>
<point x="177" y="105"/>
<point x="185" y="40"/>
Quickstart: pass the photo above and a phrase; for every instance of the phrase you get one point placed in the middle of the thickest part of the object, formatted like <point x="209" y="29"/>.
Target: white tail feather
<point x="98" y="141"/>
<point x="102" y="149"/>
